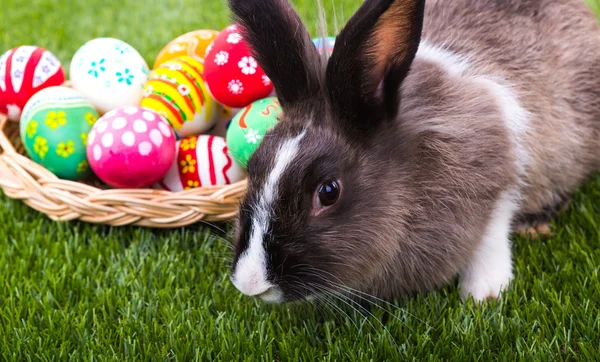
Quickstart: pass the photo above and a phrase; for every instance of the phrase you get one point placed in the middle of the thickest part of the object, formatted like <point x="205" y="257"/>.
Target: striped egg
<point x="193" y="44"/>
<point x="24" y="71"/>
<point x="177" y="91"/>
<point x="201" y="161"/>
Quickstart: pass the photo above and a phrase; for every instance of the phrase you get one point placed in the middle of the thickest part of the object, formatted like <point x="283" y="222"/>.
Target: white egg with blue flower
<point x="110" y="73"/>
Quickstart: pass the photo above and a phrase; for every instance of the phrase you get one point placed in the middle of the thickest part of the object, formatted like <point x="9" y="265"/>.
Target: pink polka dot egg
<point x="131" y="147"/>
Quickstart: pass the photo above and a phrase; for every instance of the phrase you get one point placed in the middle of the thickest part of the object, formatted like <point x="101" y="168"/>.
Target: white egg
<point x="109" y="73"/>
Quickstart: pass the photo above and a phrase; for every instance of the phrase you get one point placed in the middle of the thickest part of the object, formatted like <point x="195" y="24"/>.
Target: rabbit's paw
<point x="489" y="271"/>
<point x="487" y="283"/>
<point x="533" y="232"/>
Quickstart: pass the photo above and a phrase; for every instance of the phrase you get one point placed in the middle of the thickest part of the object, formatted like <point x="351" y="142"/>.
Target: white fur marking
<point x="490" y="269"/>
<point x="250" y="275"/>
<point x="452" y="63"/>
<point x="516" y="120"/>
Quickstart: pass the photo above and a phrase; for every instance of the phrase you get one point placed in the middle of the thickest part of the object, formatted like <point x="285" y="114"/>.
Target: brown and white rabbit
<point x="407" y="157"/>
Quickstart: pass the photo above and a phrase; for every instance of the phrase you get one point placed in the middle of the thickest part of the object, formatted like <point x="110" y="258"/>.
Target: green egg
<point x="249" y="126"/>
<point x="54" y="129"/>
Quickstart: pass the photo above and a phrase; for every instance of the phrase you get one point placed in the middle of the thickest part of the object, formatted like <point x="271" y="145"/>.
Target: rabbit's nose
<point x="250" y="278"/>
<point x="250" y="274"/>
<point x="254" y="287"/>
<point x="250" y="284"/>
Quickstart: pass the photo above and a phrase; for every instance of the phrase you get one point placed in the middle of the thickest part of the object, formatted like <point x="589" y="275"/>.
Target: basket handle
<point x="5" y="144"/>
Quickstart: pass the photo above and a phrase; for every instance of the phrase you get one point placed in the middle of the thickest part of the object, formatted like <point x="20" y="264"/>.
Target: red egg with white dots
<point x="232" y="75"/>
<point x="131" y="147"/>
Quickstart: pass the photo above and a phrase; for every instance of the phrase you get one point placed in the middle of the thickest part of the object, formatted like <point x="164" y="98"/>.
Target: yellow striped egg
<point x="177" y="91"/>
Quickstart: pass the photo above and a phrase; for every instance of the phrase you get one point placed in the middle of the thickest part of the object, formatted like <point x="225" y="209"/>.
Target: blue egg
<point x="330" y="44"/>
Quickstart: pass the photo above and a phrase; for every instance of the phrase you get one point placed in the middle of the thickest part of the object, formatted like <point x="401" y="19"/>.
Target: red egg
<point x="24" y="71"/>
<point x="231" y="73"/>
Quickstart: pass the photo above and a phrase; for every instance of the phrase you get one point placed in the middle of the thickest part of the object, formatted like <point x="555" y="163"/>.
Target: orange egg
<point x="192" y="44"/>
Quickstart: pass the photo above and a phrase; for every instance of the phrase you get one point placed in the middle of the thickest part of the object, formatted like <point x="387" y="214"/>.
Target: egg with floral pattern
<point x="24" y="71"/>
<point x="233" y="76"/>
<point x="177" y="91"/>
<point x="249" y="126"/>
<point x="131" y="147"/>
<point x="54" y="130"/>
<point x="193" y="44"/>
<point x="201" y="161"/>
<point x="110" y="73"/>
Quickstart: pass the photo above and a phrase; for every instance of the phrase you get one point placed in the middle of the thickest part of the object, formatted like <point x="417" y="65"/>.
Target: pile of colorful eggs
<point x="194" y="120"/>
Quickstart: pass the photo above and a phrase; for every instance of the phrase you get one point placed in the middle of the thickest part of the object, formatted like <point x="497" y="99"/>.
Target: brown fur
<point x="385" y="46"/>
<point x="419" y="188"/>
<point x="550" y="51"/>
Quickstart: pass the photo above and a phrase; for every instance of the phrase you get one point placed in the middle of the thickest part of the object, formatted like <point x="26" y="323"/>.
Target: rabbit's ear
<point x="282" y="46"/>
<point x="371" y="58"/>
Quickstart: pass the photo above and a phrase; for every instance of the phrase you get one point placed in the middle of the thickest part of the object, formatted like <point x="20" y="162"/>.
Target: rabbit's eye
<point x="325" y="196"/>
<point x="329" y="193"/>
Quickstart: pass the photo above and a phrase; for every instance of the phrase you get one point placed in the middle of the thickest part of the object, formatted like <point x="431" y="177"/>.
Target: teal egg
<point x="54" y="127"/>
<point x="249" y="126"/>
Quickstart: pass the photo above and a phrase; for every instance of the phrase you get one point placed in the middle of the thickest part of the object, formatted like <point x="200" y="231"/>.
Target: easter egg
<point x="131" y="147"/>
<point x="54" y="130"/>
<point x="177" y="91"/>
<point x="192" y="44"/>
<point x="201" y="161"/>
<point x="329" y="44"/>
<point x="231" y="73"/>
<point x="110" y="73"/>
<point x="24" y="71"/>
<point x="250" y="126"/>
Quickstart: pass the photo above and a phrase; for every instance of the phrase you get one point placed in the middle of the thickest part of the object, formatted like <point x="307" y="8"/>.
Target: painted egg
<point x="201" y="161"/>
<point x="131" y="147"/>
<point x="177" y="91"/>
<point x="231" y="73"/>
<point x="329" y="44"/>
<point x="110" y="73"/>
<point x="250" y="126"/>
<point x="54" y="130"/>
<point x="192" y="44"/>
<point x="24" y="71"/>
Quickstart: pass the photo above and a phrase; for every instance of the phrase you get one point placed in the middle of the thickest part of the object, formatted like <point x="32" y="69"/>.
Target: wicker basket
<point x="93" y="202"/>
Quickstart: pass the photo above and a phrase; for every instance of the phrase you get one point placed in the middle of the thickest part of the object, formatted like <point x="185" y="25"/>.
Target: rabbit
<point x="406" y="158"/>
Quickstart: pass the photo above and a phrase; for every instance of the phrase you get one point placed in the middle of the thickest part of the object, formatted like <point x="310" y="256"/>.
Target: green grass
<point x="84" y="292"/>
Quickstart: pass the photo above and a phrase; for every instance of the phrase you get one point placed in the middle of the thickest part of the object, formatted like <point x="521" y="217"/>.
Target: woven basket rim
<point x="65" y="200"/>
